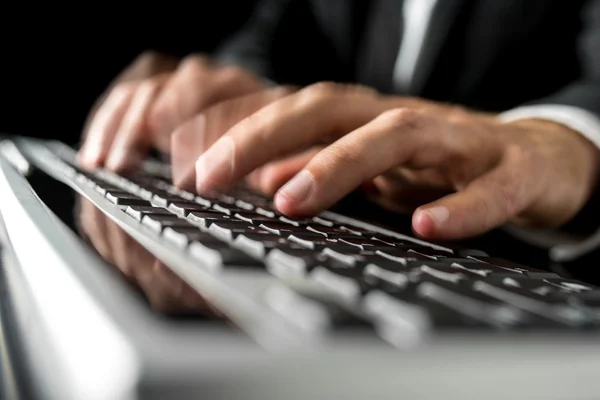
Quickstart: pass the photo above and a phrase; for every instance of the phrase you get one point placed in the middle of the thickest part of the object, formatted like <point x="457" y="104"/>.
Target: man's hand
<point x="151" y="98"/>
<point x="535" y="173"/>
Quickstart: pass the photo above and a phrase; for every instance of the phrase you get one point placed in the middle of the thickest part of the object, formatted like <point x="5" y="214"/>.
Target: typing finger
<point x="196" y="85"/>
<point x="317" y="114"/>
<point x="196" y="135"/>
<point x="105" y="124"/>
<point x="269" y="178"/>
<point x="133" y="137"/>
<point x="394" y="138"/>
<point x="487" y="202"/>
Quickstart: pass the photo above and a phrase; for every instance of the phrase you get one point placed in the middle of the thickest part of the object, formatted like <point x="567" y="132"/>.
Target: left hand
<point x="534" y="173"/>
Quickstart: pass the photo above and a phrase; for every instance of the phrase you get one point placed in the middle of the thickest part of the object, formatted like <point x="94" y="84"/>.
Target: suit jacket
<point x="490" y="55"/>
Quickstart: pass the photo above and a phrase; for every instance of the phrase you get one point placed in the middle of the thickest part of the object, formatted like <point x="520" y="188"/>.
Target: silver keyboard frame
<point x="87" y="336"/>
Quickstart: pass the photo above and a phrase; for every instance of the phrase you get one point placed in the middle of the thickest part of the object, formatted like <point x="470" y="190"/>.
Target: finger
<point x="486" y="203"/>
<point x="192" y="138"/>
<point x="400" y="137"/>
<point x="275" y="174"/>
<point x="196" y="85"/>
<point x="133" y="136"/>
<point x="105" y="124"/>
<point x="317" y="114"/>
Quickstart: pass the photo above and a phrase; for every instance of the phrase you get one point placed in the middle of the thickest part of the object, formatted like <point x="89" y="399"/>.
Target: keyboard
<point x="326" y="275"/>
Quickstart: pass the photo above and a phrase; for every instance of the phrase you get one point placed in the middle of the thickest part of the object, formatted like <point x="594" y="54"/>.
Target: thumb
<point x="486" y="203"/>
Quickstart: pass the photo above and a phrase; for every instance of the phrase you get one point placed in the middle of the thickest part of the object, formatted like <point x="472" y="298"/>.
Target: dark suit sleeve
<point x="585" y="91"/>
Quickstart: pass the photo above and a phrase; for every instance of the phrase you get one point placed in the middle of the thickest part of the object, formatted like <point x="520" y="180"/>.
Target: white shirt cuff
<point x="562" y="248"/>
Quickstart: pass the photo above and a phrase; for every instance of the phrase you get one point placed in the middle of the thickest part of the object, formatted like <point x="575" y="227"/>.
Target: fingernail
<point x="214" y="168"/>
<point x="439" y="214"/>
<point x="299" y="187"/>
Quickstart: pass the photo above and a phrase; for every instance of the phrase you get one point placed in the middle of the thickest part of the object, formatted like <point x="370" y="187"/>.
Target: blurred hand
<point x="534" y="173"/>
<point x="195" y="136"/>
<point x="165" y="291"/>
<point x="152" y="97"/>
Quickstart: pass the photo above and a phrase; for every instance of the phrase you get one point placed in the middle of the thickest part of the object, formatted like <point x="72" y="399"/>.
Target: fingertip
<point x="423" y="224"/>
<point x="429" y="222"/>
<point x="285" y="204"/>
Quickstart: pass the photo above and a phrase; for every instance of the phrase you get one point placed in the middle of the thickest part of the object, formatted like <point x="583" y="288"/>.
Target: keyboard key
<point x="138" y="212"/>
<point x="180" y="236"/>
<point x="205" y="218"/>
<point x="125" y="199"/>
<point x="184" y="208"/>
<point x="214" y="256"/>
<point x="158" y="222"/>
<point x="295" y="262"/>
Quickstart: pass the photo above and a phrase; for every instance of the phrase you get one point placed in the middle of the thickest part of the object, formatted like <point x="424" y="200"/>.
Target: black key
<point x="252" y="218"/>
<point x="293" y="222"/>
<point x="326" y="231"/>
<point x="138" y="212"/>
<point x="281" y="228"/>
<point x="473" y="305"/>
<point x="361" y="241"/>
<point x="429" y="251"/>
<point x="346" y="283"/>
<point x="549" y="307"/>
<point x="158" y="222"/>
<point x="314" y="310"/>
<point x="400" y="255"/>
<point x="180" y="236"/>
<point x="355" y="230"/>
<point x="164" y="198"/>
<point x="323" y="221"/>
<point x="285" y="262"/>
<point x="571" y="285"/>
<point x="216" y="255"/>
<point x="183" y="208"/>
<point x="126" y="199"/>
<point x="513" y="267"/>
<point x="228" y="210"/>
<point x="318" y="242"/>
<point x="259" y="245"/>
<point x="388" y="240"/>
<point x="230" y="229"/>
<point x="266" y="212"/>
<point x="244" y="205"/>
<point x="388" y="272"/>
<point x="206" y="217"/>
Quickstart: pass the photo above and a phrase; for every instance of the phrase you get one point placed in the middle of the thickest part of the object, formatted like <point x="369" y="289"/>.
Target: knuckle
<point x="149" y="57"/>
<point x="193" y="65"/>
<point x="459" y="116"/>
<point x="403" y="118"/>
<point x="232" y="73"/>
<point x="319" y="92"/>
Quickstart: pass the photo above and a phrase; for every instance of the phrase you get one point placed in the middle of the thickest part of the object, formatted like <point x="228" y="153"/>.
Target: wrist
<point x="575" y="179"/>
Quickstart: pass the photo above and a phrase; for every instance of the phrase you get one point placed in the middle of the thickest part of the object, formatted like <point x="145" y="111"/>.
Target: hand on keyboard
<point x="150" y="99"/>
<point x="165" y="291"/>
<point x="530" y="172"/>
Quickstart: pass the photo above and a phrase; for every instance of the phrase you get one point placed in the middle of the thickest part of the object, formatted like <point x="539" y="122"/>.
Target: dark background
<point x="55" y="60"/>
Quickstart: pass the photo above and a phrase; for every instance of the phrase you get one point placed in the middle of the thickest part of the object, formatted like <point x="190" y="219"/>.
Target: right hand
<point x="150" y="99"/>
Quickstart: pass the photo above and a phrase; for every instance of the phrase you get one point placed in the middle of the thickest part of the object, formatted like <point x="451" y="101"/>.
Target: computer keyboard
<point x="338" y="272"/>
